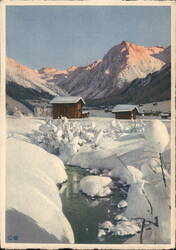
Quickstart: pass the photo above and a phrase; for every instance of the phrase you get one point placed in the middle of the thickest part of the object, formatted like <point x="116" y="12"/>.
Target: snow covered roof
<point x="125" y="107"/>
<point x="67" y="99"/>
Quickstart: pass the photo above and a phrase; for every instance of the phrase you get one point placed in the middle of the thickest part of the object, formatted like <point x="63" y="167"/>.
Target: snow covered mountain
<point x="25" y="77"/>
<point x="119" y="77"/>
<point x="120" y="66"/>
<point x="154" y="87"/>
<point x="24" y="83"/>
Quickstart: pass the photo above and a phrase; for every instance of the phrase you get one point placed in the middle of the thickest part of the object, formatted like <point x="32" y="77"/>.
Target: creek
<point x="85" y="213"/>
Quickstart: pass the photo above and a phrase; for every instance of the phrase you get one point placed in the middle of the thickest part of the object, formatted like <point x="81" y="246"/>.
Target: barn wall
<point x="123" y="115"/>
<point x="67" y="110"/>
<point x="126" y="115"/>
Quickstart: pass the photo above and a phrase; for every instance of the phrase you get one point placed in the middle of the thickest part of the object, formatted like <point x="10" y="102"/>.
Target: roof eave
<point x="55" y="102"/>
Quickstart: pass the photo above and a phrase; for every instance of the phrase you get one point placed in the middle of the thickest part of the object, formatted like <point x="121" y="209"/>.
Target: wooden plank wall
<point x="67" y="110"/>
<point x="126" y="115"/>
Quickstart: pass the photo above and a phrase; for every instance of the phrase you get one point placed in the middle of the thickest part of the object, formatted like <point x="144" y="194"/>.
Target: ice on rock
<point x="101" y="233"/>
<point x="120" y="217"/>
<point x="96" y="186"/>
<point x="122" y="228"/>
<point x="94" y="171"/>
<point x="107" y="225"/>
<point x="122" y="204"/>
<point x="125" y="228"/>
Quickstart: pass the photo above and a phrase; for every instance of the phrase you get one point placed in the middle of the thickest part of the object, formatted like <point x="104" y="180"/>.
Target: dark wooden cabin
<point x="124" y="111"/>
<point x="67" y="106"/>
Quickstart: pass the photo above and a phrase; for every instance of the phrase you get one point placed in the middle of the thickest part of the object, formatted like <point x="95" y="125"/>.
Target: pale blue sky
<point x="61" y="36"/>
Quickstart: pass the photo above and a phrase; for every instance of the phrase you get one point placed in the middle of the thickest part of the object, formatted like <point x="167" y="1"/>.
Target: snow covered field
<point x="134" y="153"/>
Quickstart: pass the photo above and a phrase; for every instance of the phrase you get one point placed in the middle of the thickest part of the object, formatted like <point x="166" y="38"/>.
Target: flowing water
<point x="84" y="213"/>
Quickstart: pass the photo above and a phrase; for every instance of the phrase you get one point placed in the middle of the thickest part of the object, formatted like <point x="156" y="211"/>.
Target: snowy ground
<point x="130" y="151"/>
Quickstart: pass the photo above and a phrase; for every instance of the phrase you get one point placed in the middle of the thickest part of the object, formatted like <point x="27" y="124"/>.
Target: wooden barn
<point x="125" y="111"/>
<point x="67" y="106"/>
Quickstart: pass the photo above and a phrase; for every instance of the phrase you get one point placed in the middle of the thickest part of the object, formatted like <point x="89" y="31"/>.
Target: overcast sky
<point x="61" y="36"/>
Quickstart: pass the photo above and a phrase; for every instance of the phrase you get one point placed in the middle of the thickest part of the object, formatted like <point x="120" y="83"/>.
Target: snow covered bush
<point x="65" y="138"/>
<point x="119" y="128"/>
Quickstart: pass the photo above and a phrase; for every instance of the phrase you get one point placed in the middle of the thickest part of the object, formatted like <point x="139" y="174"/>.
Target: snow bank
<point x="33" y="206"/>
<point x="96" y="186"/>
<point x="151" y="188"/>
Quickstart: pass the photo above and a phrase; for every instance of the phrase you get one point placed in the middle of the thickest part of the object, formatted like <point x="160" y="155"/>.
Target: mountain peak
<point x="126" y="43"/>
<point x="72" y="68"/>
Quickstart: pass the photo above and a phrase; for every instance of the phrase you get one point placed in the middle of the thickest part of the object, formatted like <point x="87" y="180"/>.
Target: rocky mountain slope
<point x="154" y="87"/>
<point x="128" y="73"/>
<point x="120" y="66"/>
<point x="23" y="84"/>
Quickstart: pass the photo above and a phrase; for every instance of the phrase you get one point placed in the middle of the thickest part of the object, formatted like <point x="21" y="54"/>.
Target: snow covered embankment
<point x="33" y="206"/>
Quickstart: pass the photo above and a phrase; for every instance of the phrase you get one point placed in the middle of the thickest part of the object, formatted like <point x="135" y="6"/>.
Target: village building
<point x="67" y="106"/>
<point x="164" y="115"/>
<point x="126" y="111"/>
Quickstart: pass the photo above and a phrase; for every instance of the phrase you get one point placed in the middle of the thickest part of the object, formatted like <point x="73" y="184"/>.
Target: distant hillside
<point x="23" y="84"/>
<point x="154" y="87"/>
<point x="12" y="105"/>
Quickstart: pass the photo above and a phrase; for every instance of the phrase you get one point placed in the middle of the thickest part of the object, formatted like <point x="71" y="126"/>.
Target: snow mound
<point x="101" y="233"/>
<point x="122" y="204"/>
<point x="107" y="226"/>
<point x="125" y="228"/>
<point x="33" y="205"/>
<point x="120" y="217"/>
<point x="96" y="186"/>
<point x="122" y="228"/>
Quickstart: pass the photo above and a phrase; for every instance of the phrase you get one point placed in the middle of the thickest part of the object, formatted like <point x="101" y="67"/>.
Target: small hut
<point x="164" y="115"/>
<point x="125" y="111"/>
<point x="67" y="106"/>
